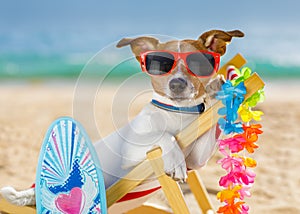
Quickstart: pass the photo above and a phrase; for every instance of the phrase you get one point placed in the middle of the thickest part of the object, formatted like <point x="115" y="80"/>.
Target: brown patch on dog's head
<point x="139" y="45"/>
<point x="213" y="40"/>
<point x="217" y="40"/>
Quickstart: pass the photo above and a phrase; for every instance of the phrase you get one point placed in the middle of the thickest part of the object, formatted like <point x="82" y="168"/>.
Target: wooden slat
<point x="12" y="209"/>
<point x="169" y="186"/>
<point x="198" y="189"/>
<point x="128" y="183"/>
<point x="253" y="84"/>
<point x="210" y="118"/>
<point x="237" y="61"/>
<point x="147" y="209"/>
<point x="199" y="126"/>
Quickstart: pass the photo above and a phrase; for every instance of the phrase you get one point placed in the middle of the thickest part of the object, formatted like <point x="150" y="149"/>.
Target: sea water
<point x="39" y="66"/>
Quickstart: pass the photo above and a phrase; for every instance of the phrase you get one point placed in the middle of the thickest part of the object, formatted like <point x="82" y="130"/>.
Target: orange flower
<point x="251" y="136"/>
<point x="230" y="194"/>
<point x="237" y="208"/>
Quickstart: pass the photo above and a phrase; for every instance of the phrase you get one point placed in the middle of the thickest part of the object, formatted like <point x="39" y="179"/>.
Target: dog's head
<point x="179" y="85"/>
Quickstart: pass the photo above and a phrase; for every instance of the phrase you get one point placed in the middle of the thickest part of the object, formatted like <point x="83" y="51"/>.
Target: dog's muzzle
<point x="178" y="85"/>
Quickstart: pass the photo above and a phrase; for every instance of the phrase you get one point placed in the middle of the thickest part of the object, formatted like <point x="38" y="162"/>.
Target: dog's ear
<point x="139" y="45"/>
<point x="216" y="40"/>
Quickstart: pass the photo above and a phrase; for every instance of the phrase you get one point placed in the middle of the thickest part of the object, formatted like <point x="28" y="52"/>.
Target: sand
<point x="27" y="109"/>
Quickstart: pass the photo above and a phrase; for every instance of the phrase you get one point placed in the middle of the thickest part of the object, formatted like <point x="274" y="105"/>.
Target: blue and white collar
<point x="198" y="109"/>
<point x="169" y="106"/>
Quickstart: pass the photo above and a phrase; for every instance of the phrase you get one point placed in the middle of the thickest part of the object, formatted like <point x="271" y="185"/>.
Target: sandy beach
<point x="27" y="109"/>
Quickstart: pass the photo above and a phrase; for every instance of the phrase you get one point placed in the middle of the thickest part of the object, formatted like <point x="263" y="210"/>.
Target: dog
<point x="181" y="74"/>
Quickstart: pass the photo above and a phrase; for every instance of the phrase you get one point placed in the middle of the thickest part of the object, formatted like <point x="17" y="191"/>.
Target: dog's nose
<point x="177" y="85"/>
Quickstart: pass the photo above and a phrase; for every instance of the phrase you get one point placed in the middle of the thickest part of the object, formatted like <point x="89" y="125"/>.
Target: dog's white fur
<point x="153" y="126"/>
<point x="122" y="150"/>
<point x="127" y="147"/>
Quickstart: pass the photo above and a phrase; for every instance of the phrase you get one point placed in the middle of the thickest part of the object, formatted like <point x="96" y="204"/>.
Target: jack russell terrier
<point x="181" y="75"/>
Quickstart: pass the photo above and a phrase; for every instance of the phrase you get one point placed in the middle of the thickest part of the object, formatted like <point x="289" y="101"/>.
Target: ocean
<point x="47" y="66"/>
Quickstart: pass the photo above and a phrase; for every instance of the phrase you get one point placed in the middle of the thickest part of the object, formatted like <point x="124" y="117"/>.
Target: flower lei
<point x="242" y="137"/>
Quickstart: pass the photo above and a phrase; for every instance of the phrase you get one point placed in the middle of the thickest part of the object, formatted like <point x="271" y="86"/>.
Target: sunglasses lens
<point x="159" y="63"/>
<point x="201" y="64"/>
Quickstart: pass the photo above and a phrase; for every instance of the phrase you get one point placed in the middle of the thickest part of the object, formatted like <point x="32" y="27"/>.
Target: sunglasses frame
<point x="177" y="56"/>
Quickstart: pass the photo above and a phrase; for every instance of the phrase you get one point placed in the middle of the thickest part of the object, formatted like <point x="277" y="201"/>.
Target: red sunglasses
<point x="198" y="63"/>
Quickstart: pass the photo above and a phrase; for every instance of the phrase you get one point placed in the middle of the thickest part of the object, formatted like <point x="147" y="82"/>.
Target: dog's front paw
<point x="214" y="85"/>
<point x="174" y="160"/>
<point x="19" y="198"/>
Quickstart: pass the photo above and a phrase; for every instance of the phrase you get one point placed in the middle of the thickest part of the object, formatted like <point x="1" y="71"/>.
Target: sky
<point x="76" y="26"/>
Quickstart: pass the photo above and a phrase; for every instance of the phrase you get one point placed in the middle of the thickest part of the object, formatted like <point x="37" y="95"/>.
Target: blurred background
<point x="56" y="57"/>
<point x="43" y="39"/>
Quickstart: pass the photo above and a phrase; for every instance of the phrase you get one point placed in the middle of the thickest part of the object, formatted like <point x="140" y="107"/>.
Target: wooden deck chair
<point x="184" y="138"/>
<point x="154" y="163"/>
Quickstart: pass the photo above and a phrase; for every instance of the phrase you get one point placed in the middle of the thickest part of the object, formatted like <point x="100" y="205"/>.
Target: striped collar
<point x="198" y="109"/>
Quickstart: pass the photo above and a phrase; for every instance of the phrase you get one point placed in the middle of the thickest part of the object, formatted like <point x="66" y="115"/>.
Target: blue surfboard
<point x="69" y="178"/>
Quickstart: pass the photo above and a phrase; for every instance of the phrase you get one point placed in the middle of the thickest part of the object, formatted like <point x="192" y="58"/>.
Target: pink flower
<point x="244" y="209"/>
<point x="235" y="144"/>
<point x="247" y="177"/>
<point x="227" y="180"/>
<point x="237" y="176"/>
<point x="229" y="163"/>
<point x="244" y="192"/>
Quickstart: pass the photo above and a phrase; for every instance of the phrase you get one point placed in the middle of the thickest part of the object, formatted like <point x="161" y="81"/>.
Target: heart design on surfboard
<point x="72" y="203"/>
<point x="68" y="160"/>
